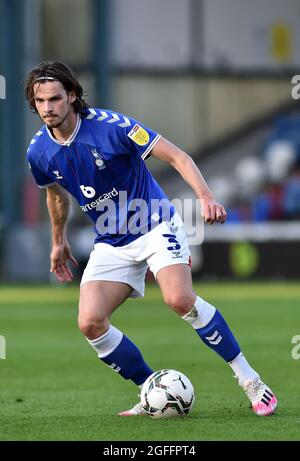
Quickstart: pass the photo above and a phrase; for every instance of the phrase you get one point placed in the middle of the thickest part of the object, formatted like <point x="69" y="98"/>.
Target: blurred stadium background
<point x="214" y="77"/>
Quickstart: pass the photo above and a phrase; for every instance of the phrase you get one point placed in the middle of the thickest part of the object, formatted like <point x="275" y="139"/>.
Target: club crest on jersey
<point x="139" y="135"/>
<point x="98" y="160"/>
<point x="57" y="174"/>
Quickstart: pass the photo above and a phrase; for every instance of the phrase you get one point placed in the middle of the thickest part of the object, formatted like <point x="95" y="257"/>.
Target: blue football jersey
<point x="103" y="166"/>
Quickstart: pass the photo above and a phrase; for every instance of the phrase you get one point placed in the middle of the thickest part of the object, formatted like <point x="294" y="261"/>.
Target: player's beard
<point x="57" y="124"/>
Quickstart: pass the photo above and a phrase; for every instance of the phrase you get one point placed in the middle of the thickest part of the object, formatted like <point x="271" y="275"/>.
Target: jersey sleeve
<point x="41" y="178"/>
<point x="125" y="132"/>
<point x="139" y="138"/>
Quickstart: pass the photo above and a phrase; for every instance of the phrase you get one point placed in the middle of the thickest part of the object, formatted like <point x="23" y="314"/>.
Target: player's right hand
<point x="59" y="257"/>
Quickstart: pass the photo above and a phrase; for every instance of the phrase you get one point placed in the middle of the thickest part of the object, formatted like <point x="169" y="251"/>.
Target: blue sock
<point x="218" y="336"/>
<point x="127" y="360"/>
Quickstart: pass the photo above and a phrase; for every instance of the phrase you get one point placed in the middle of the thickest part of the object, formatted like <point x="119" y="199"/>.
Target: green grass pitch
<point x="53" y="387"/>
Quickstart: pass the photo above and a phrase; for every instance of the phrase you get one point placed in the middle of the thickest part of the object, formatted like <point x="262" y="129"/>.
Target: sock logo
<point x="215" y="338"/>
<point x="115" y="367"/>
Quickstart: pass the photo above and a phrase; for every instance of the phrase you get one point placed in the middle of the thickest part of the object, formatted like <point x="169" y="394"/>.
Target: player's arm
<point x="184" y="164"/>
<point x="58" y="203"/>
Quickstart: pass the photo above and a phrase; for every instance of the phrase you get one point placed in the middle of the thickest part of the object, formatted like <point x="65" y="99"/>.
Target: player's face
<point x="53" y="103"/>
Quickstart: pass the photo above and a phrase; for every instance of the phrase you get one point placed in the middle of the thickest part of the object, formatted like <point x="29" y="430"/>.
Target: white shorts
<point x="163" y="246"/>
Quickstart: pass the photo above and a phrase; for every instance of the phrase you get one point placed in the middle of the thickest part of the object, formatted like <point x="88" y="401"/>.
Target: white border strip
<point x="150" y="147"/>
<point x="71" y="138"/>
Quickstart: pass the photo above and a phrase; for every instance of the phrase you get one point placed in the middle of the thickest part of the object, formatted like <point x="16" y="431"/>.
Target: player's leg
<point x="175" y="282"/>
<point x="110" y="277"/>
<point x="176" y="285"/>
<point x="173" y="273"/>
<point x="98" y="300"/>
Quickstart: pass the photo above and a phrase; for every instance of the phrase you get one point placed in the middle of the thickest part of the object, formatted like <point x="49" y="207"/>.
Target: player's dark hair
<point x="55" y="71"/>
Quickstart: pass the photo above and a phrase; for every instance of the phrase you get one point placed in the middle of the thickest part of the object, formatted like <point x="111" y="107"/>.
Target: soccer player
<point x="98" y="156"/>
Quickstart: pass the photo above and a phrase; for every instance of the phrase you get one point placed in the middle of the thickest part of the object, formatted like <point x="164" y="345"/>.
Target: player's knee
<point x="92" y="328"/>
<point x="181" y="302"/>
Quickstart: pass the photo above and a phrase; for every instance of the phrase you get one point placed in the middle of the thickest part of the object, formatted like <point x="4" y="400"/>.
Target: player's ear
<point x="72" y="97"/>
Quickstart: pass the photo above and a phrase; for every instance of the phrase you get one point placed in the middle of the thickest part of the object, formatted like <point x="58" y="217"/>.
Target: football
<point x="167" y="393"/>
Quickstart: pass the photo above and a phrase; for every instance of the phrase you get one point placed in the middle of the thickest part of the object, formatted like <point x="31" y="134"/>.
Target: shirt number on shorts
<point x="172" y="239"/>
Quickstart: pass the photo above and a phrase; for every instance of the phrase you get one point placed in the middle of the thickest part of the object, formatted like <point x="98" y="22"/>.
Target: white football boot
<point x="137" y="410"/>
<point x="262" y="399"/>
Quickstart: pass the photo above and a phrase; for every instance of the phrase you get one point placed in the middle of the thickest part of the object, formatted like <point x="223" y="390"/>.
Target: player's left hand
<point x="212" y="211"/>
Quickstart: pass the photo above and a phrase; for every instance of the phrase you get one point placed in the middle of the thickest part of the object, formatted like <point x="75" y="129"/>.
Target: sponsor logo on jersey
<point x="88" y="192"/>
<point x="139" y="135"/>
<point x="101" y="198"/>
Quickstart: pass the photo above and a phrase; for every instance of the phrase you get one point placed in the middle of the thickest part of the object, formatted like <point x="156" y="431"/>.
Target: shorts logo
<point x="139" y="135"/>
<point x="88" y="191"/>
